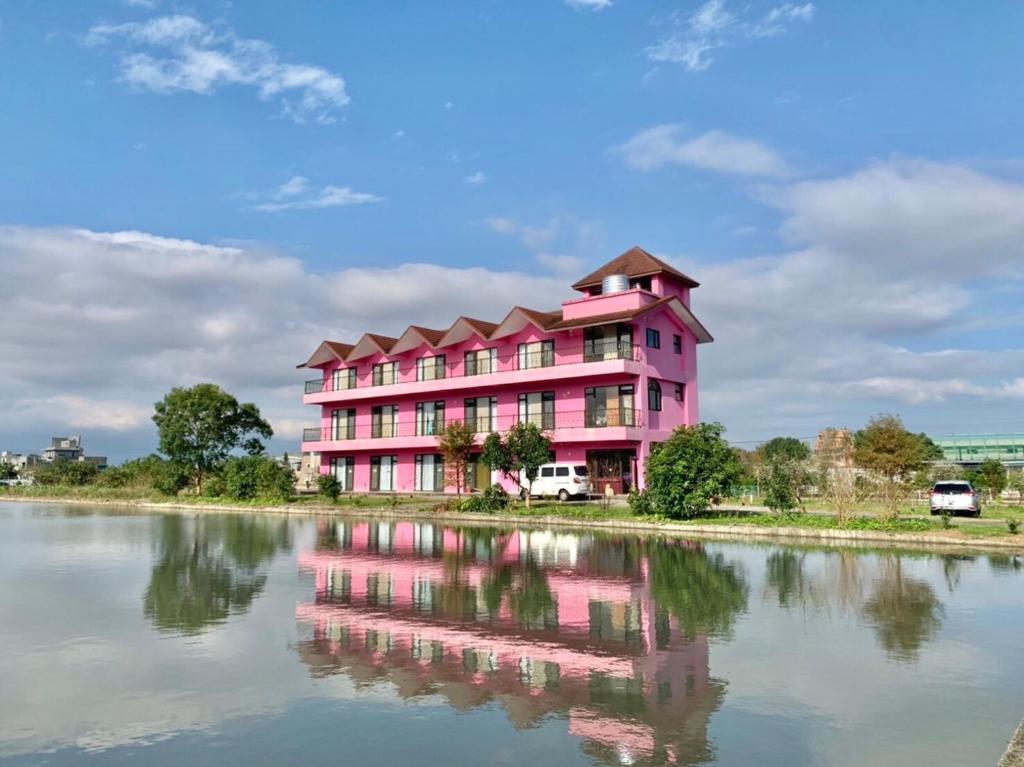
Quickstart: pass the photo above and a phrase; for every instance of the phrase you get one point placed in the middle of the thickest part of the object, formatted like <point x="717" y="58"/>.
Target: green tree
<point x="892" y="454"/>
<point x="692" y="469"/>
<point x="992" y="477"/>
<point x="455" y="442"/>
<point x="200" y="426"/>
<point x="786" y="448"/>
<point x="519" y="455"/>
<point x="257" y="476"/>
<point x="328" y="487"/>
<point x="1016" y="483"/>
<point x="782" y="480"/>
<point x="7" y="471"/>
<point x="64" y="472"/>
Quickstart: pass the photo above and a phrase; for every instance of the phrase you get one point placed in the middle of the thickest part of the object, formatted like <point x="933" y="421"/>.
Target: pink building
<point x="606" y="375"/>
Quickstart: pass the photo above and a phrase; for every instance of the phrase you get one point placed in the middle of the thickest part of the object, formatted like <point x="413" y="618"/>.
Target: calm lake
<point x="260" y="640"/>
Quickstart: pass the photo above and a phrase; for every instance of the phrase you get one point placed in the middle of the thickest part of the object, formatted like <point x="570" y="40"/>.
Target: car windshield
<point x="581" y="471"/>
<point x="951" y="488"/>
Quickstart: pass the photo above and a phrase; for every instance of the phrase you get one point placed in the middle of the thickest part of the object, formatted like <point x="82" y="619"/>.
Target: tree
<point x="64" y="472"/>
<point x="992" y="477"/>
<point x="328" y="487"/>
<point x="782" y="480"/>
<point x="786" y="448"/>
<point x="1016" y="482"/>
<point x="692" y="469"/>
<point x="519" y="455"/>
<point x="891" y="453"/>
<point x="257" y="476"/>
<point x="7" y="471"/>
<point x="200" y="426"/>
<point x="456" y="442"/>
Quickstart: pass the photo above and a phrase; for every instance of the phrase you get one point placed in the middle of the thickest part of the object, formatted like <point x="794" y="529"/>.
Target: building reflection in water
<point x="539" y="622"/>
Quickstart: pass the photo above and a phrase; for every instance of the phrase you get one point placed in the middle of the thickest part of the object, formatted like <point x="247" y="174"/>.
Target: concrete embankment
<point x="1014" y="756"/>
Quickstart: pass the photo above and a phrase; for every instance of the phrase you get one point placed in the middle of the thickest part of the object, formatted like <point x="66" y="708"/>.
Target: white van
<point x="564" y="480"/>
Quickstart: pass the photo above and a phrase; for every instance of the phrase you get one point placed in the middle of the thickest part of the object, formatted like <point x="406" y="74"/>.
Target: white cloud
<point x="148" y="5"/>
<point x="170" y="54"/>
<point x="475" y="179"/>
<point x="714" y="150"/>
<point x="694" y="37"/>
<point x="589" y="5"/>
<point x="296" y="194"/>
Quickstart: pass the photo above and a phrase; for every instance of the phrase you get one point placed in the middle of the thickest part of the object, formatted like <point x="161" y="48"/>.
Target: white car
<point x="955" y="497"/>
<point x="564" y="480"/>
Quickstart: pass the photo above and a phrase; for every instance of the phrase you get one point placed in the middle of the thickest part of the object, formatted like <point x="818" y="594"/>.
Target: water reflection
<point x="610" y="634"/>
<point x="209" y="567"/>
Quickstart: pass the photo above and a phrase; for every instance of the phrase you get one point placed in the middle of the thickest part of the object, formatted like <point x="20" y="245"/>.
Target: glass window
<point x="677" y="344"/>
<point x="382" y="472"/>
<point x="343" y="424"/>
<point x="343" y="469"/>
<point x="608" y="342"/>
<point x="609" y="406"/>
<point x="343" y="378"/>
<point x="429" y="473"/>
<point x="384" y="421"/>
<point x="653" y="338"/>
<point x="581" y="471"/>
<point x="653" y="395"/>
<point x="385" y="373"/>
<point x="547" y="471"/>
<point x="561" y="471"/>
<point x="429" y="418"/>
<point x="481" y="414"/>
<point x="430" y="368"/>
<point x="481" y="361"/>
<point x="538" y="408"/>
<point x="538" y="354"/>
<point x="679" y="392"/>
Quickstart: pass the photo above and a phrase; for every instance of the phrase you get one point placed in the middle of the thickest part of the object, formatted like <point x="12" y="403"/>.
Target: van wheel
<point x="563" y="495"/>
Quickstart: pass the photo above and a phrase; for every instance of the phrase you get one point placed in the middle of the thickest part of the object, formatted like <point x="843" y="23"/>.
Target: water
<point x="261" y="640"/>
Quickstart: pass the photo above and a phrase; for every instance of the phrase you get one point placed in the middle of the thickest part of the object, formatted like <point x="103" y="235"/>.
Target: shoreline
<point x="726" y="532"/>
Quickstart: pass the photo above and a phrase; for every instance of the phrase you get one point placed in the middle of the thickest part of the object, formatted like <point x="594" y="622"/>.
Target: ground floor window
<point x="478" y="474"/>
<point x="343" y="469"/>
<point x="429" y="473"/>
<point x="383" y="469"/>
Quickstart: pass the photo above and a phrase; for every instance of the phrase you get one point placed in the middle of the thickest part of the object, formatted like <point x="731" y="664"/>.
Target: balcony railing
<point x="502" y="363"/>
<point x="572" y="419"/>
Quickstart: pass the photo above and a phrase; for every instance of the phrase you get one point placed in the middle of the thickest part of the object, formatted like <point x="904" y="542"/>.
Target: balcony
<point x="561" y="426"/>
<point x="510" y="367"/>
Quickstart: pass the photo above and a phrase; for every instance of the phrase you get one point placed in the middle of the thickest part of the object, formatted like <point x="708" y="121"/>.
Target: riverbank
<point x="719" y="524"/>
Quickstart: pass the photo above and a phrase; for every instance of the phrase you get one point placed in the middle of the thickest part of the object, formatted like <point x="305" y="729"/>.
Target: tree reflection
<point x="904" y="611"/>
<point x="704" y="591"/>
<point x="209" y="568"/>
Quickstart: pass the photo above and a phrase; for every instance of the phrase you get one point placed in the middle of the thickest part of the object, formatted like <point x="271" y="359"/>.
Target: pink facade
<point x="588" y="374"/>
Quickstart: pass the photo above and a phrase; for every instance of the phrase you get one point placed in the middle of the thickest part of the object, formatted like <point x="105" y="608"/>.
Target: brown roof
<point x="339" y="348"/>
<point x="433" y="336"/>
<point x="482" y="327"/>
<point x="635" y="262"/>
<point x="544" y="319"/>
<point x="384" y="342"/>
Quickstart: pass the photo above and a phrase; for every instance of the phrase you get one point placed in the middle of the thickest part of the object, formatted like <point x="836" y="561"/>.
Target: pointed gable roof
<point x="415" y="336"/>
<point x="517" y="319"/>
<point x="328" y="351"/>
<point x="463" y="328"/>
<point x="371" y="343"/>
<point x="635" y="262"/>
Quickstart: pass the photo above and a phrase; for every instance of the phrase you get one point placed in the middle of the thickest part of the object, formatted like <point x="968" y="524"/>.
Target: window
<point x="653" y="395"/>
<point x="383" y="469"/>
<point x="547" y="471"/>
<point x="385" y="373"/>
<point x="561" y="471"/>
<point x="677" y="343"/>
<point x="481" y="414"/>
<point x="481" y="361"/>
<point x="608" y="342"/>
<point x="343" y="424"/>
<point x="478" y="473"/>
<point x="538" y="408"/>
<point x="384" y="421"/>
<point x="653" y="338"/>
<point x="539" y="354"/>
<point x="343" y="378"/>
<point x="609" y="406"/>
<point x="429" y="418"/>
<point x="343" y="469"/>
<point x="430" y="368"/>
<point x="679" y="392"/>
<point x="429" y="473"/>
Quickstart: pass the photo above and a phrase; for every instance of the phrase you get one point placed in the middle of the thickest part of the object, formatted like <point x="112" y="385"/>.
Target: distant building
<point x="834" y="447"/>
<point x="18" y="461"/>
<point x="972" y="449"/>
<point x="70" y="449"/>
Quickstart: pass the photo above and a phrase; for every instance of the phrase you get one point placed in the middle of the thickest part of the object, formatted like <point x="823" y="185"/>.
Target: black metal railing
<point x="510" y="361"/>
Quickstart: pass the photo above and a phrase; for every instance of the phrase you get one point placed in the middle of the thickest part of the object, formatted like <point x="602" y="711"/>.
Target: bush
<point x="779" y="485"/>
<point x="1013" y="526"/>
<point x="257" y="476"/>
<point x="66" y="473"/>
<point x="214" y="486"/>
<point x="328" y="487"/>
<point x="640" y="503"/>
<point x="168" y="477"/>
<point x="492" y="499"/>
<point x="692" y="469"/>
<point x="114" y="477"/>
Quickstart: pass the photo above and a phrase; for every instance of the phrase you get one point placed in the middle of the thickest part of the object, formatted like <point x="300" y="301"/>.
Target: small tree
<point x="891" y="453"/>
<point x="200" y="426"/>
<point x="781" y="484"/>
<point x="692" y="469"/>
<point x="257" y="476"/>
<point x="328" y="487"/>
<point x="456" y="442"/>
<point x="992" y="476"/>
<point x="7" y="471"/>
<point x="519" y="455"/>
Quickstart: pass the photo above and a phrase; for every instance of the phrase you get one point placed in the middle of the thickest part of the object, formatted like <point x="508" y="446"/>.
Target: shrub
<point x="640" y="503"/>
<point x="257" y="476"/>
<point x="493" y="498"/>
<point x="947" y="522"/>
<point x="66" y="473"/>
<point x="692" y="469"/>
<point x="169" y="477"/>
<point x="114" y="477"/>
<point x="328" y="486"/>
<point x="779" y="485"/>
<point x="214" y="486"/>
<point x="1013" y="526"/>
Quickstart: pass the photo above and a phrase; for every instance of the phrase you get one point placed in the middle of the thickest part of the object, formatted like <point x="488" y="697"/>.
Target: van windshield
<point x="581" y="471"/>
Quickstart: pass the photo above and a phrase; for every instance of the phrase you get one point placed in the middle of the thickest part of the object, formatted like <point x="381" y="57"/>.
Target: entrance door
<point x="612" y="468"/>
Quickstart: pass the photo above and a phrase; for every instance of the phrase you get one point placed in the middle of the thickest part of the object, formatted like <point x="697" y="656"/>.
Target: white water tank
<point x="614" y="283"/>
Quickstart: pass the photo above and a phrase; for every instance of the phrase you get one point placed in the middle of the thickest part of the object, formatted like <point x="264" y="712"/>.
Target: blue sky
<point x="844" y="179"/>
